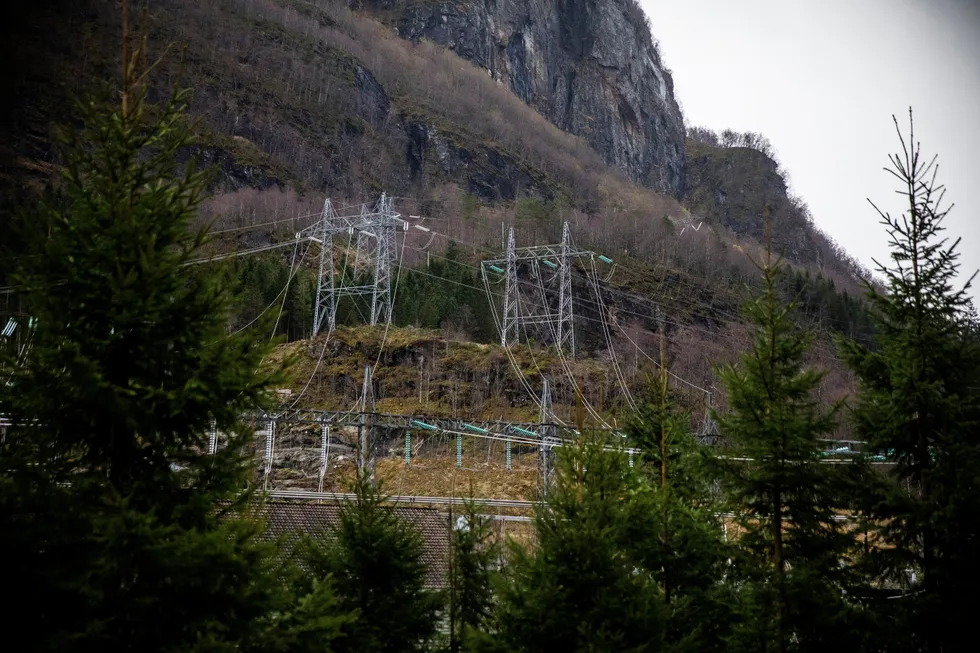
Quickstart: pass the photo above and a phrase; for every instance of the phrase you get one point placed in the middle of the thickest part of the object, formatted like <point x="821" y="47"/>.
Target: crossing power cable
<point x="506" y="346"/>
<point x="581" y="317"/>
<point x="394" y="293"/>
<point x="289" y="278"/>
<point x="275" y="300"/>
<point x="566" y="367"/>
<point x="343" y="276"/>
<point x="609" y="340"/>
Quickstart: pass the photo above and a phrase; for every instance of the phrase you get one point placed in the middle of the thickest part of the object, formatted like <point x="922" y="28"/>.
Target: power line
<point x="276" y="300"/>
<point x="289" y="279"/>
<point x="580" y="317"/>
<point x="326" y="340"/>
<point x="241" y="252"/>
<point x="262" y="224"/>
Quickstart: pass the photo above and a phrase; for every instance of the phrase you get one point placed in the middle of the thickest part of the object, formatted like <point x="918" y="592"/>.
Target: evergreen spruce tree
<point x="117" y="524"/>
<point x="793" y="552"/>
<point x="299" y="307"/>
<point x="919" y="405"/>
<point x="584" y="585"/>
<point x="375" y="561"/>
<point x="475" y="556"/>
<point x="690" y="556"/>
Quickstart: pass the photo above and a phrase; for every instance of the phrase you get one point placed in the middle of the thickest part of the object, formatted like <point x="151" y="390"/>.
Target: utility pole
<point x="548" y="439"/>
<point x="366" y="461"/>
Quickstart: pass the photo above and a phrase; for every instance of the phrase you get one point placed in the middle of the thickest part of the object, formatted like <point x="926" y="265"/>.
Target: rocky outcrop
<point x="733" y="186"/>
<point x="482" y="170"/>
<point x="590" y="66"/>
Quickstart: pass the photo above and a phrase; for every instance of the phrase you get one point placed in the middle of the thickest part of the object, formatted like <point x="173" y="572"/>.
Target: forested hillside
<point x="297" y="100"/>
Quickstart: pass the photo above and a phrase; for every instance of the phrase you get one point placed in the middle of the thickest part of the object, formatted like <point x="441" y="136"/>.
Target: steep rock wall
<point x="589" y="66"/>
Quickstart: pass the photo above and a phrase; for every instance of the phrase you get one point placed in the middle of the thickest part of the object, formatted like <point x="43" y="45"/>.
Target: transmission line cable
<point x="289" y="278"/>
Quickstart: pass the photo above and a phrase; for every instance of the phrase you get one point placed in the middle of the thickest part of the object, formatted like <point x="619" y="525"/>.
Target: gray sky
<point x="821" y="79"/>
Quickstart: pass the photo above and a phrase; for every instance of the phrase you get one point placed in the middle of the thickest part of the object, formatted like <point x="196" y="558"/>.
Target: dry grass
<point x="439" y="477"/>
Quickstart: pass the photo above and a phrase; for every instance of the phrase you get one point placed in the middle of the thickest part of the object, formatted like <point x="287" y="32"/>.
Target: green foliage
<point x="793" y="553"/>
<point x="533" y="209"/>
<point x="585" y="586"/>
<point x="819" y="299"/>
<point x="470" y="207"/>
<point x="375" y="560"/>
<point x="660" y="429"/>
<point x="445" y="295"/>
<point x="278" y="285"/>
<point x="918" y="404"/>
<point x="312" y="621"/>
<point x="472" y="568"/>
<point x="125" y="535"/>
<point x="690" y="557"/>
<point x="297" y="316"/>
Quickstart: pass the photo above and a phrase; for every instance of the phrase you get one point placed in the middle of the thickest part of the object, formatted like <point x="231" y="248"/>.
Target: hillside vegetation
<point x="130" y="402"/>
<point x="297" y="99"/>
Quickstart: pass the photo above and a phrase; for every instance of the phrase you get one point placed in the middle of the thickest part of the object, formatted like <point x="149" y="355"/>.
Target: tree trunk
<point x="777" y="548"/>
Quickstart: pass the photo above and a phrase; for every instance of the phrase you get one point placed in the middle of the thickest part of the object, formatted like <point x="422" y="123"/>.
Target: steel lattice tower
<point x="708" y="429"/>
<point x="560" y="258"/>
<point x="376" y="242"/>
<point x="362" y="255"/>
<point x="508" y="329"/>
<point x="325" y="300"/>
<point x="384" y="256"/>
<point x="566" y="323"/>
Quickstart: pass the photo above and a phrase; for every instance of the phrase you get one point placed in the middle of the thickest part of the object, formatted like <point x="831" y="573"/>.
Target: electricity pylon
<point x="375" y="232"/>
<point x="539" y="259"/>
<point x="707" y="432"/>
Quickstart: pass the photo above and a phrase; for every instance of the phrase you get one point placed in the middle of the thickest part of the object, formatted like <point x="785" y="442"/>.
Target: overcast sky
<point x="821" y="79"/>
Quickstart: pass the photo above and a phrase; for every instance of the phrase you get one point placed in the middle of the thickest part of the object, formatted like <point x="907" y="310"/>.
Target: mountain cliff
<point x="591" y="67"/>
<point x="294" y="99"/>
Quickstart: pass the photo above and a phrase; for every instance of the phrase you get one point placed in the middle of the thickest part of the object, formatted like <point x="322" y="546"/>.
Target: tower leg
<point x="508" y="326"/>
<point x="325" y="307"/>
<point x="566" y="324"/>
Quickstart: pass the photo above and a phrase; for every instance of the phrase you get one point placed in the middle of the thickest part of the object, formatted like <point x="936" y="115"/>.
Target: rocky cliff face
<point x="590" y="66"/>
